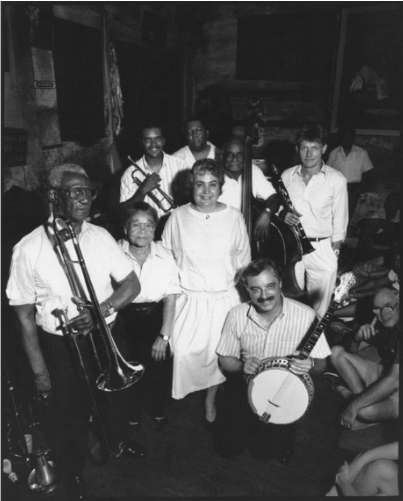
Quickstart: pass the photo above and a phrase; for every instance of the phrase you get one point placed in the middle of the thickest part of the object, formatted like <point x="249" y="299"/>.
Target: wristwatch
<point x="109" y="310"/>
<point x="164" y="337"/>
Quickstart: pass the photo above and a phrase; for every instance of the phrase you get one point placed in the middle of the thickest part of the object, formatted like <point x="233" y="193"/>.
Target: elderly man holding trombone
<point x="66" y="312"/>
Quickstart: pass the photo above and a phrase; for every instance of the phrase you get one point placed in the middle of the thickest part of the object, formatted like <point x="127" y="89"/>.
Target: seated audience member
<point x="374" y="472"/>
<point x="269" y="325"/>
<point x="198" y="147"/>
<point x="353" y="162"/>
<point x="210" y="245"/>
<point x="369" y="369"/>
<point x="361" y="309"/>
<point x="149" y="318"/>
<point x="262" y="189"/>
<point x="162" y="171"/>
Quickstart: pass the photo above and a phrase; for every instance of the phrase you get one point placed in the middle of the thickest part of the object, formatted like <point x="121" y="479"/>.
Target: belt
<point x="145" y="308"/>
<point x="316" y="239"/>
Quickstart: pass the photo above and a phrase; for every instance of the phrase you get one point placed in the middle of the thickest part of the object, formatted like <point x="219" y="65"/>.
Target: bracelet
<point x="313" y="363"/>
<point x="336" y="252"/>
<point x="267" y="210"/>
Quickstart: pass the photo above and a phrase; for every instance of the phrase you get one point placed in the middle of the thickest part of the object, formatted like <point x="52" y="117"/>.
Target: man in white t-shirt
<point x="353" y="162"/>
<point x="262" y="189"/>
<point x="198" y="147"/>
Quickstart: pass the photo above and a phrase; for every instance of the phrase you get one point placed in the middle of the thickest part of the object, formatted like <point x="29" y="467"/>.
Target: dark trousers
<point x="143" y="324"/>
<point x="66" y="419"/>
<point x="238" y="427"/>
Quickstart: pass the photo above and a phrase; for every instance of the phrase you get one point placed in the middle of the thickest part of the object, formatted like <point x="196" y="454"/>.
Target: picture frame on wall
<point x="368" y="78"/>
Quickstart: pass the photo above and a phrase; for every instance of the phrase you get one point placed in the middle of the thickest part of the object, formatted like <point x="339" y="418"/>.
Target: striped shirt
<point x="244" y="335"/>
<point x="322" y="202"/>
<point x="170" y="169"/>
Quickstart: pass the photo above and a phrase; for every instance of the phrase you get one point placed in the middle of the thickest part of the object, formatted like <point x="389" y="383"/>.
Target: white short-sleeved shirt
<point x="171" y="167"/>
<point x="232" y="189"/>
<point x="158" y="275"/>
<point x="353" y="165"/>
<point x="244" y="336"/>
<point x="187" y="156"/>
<point x="37" y="277"/>
<point x="323" y="202"/>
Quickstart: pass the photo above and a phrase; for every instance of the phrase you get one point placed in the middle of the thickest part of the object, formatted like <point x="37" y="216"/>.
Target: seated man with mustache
<point x="269" y="325"/>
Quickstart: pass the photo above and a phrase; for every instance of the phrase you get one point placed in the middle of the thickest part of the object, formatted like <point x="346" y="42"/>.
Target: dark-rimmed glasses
<point x="136" y="226"/>
<point x="385" y="309"/>
<point x="228" y="155"/>
<point x="80" y="193"/>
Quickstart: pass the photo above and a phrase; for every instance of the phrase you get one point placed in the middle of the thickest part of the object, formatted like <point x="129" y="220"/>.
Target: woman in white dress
<point x="209" y="242"/>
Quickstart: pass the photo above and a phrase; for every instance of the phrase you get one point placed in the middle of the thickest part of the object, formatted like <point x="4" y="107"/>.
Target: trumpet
<point x="158" y="196"/>
<point x="119" y="374"/>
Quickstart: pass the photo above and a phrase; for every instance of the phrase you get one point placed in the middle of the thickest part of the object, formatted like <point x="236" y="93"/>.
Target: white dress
<point x="208" y="249"/>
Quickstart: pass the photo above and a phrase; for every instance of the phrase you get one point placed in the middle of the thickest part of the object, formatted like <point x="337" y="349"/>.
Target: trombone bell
<point x="121" y="377"/>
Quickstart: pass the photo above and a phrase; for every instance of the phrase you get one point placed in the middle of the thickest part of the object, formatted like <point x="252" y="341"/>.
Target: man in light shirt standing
<point x="353" y="162"/>
<point x="162" y="171"/>
<point x="319" y="195"/>
<point x="198" y="147"/>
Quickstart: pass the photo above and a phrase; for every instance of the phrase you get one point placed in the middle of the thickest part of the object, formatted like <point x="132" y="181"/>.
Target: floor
<point x="181" y="461"/>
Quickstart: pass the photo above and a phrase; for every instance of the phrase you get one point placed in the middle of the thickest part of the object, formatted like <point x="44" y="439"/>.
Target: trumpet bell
<point x="125" y="375"/>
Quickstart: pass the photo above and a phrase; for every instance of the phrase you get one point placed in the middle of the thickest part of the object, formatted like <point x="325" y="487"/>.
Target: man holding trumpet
<point x="154" y="177"/>
<point x="38" y="289"/>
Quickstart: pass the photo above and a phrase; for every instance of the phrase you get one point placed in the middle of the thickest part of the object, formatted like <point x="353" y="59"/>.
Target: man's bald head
<point x="387" y="298"/>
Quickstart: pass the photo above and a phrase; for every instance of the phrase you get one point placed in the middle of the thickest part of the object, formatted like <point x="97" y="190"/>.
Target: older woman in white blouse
<point x="150" y="317"/>
<point x="209" y="242"/>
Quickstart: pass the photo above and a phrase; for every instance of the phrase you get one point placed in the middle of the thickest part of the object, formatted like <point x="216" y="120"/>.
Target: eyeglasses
<point x="79" y="193"/>
<point x="136" y="226"/>
<point x="230" y="156"/>
<point x="385" y="309"/>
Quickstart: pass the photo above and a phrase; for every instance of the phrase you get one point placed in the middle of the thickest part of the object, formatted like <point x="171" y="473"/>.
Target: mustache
<point x="263" y="299"/>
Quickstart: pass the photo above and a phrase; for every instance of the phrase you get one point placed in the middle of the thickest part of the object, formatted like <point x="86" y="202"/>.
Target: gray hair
<point x="56" y="175"/>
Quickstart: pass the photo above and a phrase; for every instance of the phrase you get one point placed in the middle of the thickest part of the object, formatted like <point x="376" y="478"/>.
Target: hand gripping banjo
<point x="277" y="395"/>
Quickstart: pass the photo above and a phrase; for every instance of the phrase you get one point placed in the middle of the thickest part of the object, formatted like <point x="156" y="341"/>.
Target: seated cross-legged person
<point x="150" y="316"/>
<point x="369" y="369"/>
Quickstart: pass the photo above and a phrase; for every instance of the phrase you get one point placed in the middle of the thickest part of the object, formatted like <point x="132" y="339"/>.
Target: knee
<point x="382" y="469"/>
<point x="338" y="353"/>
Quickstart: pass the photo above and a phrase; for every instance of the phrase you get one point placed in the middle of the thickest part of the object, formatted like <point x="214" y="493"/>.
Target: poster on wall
<point x="368" y="83"/>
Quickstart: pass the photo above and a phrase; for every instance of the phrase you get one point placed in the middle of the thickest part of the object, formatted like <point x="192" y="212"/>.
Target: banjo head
<point x="280" y="393"/>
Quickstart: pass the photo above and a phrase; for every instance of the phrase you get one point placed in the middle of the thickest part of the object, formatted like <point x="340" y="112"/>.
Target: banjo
<point x="277" y="395"/>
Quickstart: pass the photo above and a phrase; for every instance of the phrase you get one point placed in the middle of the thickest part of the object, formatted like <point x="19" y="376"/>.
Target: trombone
<point x="158" y="196"/>
<point x="119" y="374"/>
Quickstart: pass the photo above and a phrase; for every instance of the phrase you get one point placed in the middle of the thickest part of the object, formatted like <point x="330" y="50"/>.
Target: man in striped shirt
<point x="269" y="325"/>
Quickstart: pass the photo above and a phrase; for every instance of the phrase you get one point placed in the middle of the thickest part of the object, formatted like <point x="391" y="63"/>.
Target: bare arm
<point x="158" y="350"/>
<point x="128" y="289"/>
<point x="30" y="342"/>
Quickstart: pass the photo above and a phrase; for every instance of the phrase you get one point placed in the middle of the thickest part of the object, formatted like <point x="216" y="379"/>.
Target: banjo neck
<point x="318" y="331"/>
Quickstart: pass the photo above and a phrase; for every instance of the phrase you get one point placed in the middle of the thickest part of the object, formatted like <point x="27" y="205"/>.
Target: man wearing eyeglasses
<point x="262" y="189"/>
<point x="38" y="287"/>
<point x="369" y="370"/>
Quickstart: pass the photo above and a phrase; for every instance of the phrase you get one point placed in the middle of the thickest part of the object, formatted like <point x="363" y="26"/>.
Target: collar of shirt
<point x="84" y="228"/>
<point x="145" y="164"/>
<point x="154" y="250"/>
<point x="253" y="315"/>
<point x="324" y="170"/>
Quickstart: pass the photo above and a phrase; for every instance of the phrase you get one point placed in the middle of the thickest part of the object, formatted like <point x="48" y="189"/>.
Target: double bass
<point x="286" y="245"/>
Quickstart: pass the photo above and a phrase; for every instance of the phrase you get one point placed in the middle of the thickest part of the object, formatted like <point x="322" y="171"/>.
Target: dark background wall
<point x="177" y="58"/>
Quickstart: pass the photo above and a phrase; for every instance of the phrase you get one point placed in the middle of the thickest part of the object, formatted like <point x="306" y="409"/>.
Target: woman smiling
<point x="209" y="242"/>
